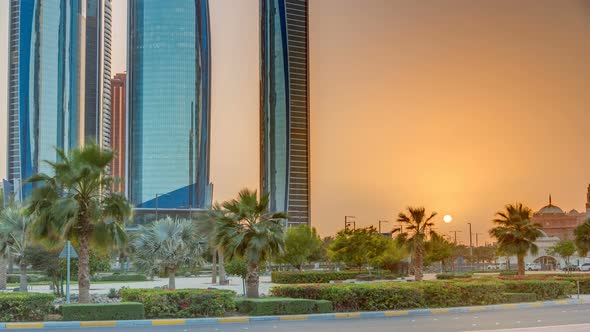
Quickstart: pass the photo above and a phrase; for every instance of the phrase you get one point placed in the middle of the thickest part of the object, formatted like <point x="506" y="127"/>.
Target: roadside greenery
<point x="418" y="225"/>
<point x="564" y="249"/>
<point x="302" y="246"/>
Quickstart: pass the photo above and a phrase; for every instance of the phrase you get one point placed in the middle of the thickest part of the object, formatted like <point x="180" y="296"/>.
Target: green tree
<point x="237" y="266"/>
<point x="167" y="245"/>
<point x="515" y="232"/>
<point x="392" y="255"/>
<point x="358" y="247"/>
<point x="14" y="224"/>
<point x="418" y="224"/>
<point x="564" y="249"/>
<point x="247" y="229"/>
<point x="48" y="261"/>
<point x="207" y="226"/>
<point x="76" y="203"/>
<point x="582" y="238"/>
<point x="439" y="249"/>
<point x="302" y="245"/>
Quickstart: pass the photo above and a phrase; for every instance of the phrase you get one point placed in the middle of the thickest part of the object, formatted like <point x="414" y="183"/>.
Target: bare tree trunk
<point x="221" y="267"/>
<point x="3" y="274"/>
<point x="84" y="270"/>
<point x="252" y="281"/>
<point x="520" y="259"/>
<point x="10" y="261"/>
<point x="172" y="279"/>
<point x="23" y="287"/>
<point x="214" y="266"/>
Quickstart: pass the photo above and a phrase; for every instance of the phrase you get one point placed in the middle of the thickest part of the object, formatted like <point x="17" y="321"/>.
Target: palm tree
<point x="582" y="238"/>
<point x="75" y="203"/>
<point x="167" y="245"/>
<point x="248" y="230"/>
<point x="207" y="226"/>
<point x="14" y="225"/>
<point x="515" y="232"/>
<point x="418" y="225"/>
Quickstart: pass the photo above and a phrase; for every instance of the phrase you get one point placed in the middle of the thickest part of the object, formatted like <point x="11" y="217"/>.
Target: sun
<point x="447" y="218"/>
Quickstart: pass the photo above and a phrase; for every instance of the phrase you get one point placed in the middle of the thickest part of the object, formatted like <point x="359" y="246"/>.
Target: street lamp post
<point x="470" y="240"/>
<point x="346" y="223"/>
<point x="380" y="221"/>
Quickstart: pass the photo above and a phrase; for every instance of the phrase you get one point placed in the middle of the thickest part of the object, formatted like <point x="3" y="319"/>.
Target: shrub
<point x="519" y="297"/>
<point x="18" y="307"/>
<point x="184" y="303"/>
<point x="508" y="273"/>
<point x="103" y="311"/>
<point x="447" y="276"/>
<point x="311" y="277"/>
<point x="282" y="306"/>
<point x="15" y="278"/>
<point x="544" y="289"/>
<point x="121" y="277"/>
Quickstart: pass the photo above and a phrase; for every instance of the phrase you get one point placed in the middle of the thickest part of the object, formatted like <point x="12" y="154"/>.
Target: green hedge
<point x="15" y="278"/>
<point x="544" y="289"/>
<point x="282" y="306"/>
<point x="508" y="273"/>
<point x="184" y="303"/>
<point x="20" y="307"/>
<point x="433" y="294"/>
<point x="519" y="297"/>
<point x="121" y="277"/>
<point x="311" y="277"/>
<point x="455" y="275"/>
<point x="103" y="311"/>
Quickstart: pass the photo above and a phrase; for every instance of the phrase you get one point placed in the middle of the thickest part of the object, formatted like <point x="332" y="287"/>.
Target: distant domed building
<point x="558" y="223"/>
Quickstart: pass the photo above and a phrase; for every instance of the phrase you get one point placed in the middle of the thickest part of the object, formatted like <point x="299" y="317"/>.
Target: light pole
<point x="158" y="194"/>
<point x="380" y="221"/>
<point x="455" y="235"/>
<point x="470" y="241"/>
<point x="346" y="222"/>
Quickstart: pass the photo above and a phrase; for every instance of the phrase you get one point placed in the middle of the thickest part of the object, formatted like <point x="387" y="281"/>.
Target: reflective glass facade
<point x="169" y="80"/>
<point x="284" y="107"/>
<point x="43" y="89"/>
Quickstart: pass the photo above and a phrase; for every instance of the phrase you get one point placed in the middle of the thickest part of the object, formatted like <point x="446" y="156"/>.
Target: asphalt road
<point x="566" y="318"/>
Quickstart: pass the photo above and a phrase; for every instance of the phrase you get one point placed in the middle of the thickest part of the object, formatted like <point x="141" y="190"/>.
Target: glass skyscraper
<point x="169" y="84"/>
<point x="44" y="93"/>
<point x="284" y="107"/>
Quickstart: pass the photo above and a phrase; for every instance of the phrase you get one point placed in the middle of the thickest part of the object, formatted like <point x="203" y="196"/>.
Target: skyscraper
<point x="97" y="73"/>
<point x="44" y="90"/>
<point x="284" y="107"/>
<point x="169" y="81"/>
<point x="118" y="139"/>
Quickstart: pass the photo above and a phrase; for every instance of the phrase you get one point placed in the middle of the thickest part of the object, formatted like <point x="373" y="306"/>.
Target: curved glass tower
<point x="284" y="107"/>
<point x="44" y="92"/>
<point x="169" y="80"/>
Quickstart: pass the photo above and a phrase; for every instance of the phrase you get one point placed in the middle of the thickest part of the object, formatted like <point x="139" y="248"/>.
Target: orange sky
<point x="458" y="105"/>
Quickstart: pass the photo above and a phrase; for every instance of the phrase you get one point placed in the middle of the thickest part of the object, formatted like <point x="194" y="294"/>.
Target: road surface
<point x="563" y="318"/>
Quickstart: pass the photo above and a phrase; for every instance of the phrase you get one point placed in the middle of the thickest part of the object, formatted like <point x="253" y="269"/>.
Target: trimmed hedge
<point x="311" y="277"/>
<point x="394" y="296"/>
<point x="519" y="297"/>
<point x="121" y="277"/>
<point x="103" y="311"/>
<point x="22" y="307"/>
<point x="15" y="278"/>
<point x="182" y="303"/>
<point x="544" y="289"/>
<point x="282" y="306"/>
<point x="453" y="275"/>
<point x="508" y="273"/>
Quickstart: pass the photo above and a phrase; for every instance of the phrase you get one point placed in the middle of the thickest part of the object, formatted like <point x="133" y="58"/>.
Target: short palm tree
<point x="582" y="238"/>
<point x="207" y="227"/>
<point x="515" y="232"/>
<point x="167" y="245"/>
<point x="75" y="203"/>
<point x="418" y="224"/>
<point x="14" y="226"/>
<point x="248" y="230"/>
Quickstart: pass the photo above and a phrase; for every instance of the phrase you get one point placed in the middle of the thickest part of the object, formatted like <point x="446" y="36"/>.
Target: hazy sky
<point x="461" y="106"/>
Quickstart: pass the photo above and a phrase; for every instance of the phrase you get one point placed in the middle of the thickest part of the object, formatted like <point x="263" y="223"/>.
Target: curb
<point x="339" y="315"/>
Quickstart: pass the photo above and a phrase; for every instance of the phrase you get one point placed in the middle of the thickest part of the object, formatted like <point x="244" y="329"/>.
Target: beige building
<point x="558" y="223"/>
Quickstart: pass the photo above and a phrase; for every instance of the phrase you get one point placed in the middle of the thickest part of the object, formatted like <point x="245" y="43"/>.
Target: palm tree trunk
<point x="214" y="266"/>
<point x="23" y="287"/>
<point x="520" y="259"/>
<point x="3" y="274"/>
<point x="252" y="281"/>
<point x="84" y="270"/>
<point x="418" y="262"/>
<point x="172" y="279"/>
<point x="221" y="267"/>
